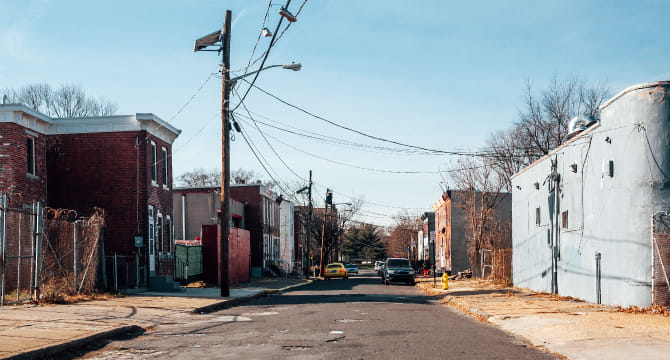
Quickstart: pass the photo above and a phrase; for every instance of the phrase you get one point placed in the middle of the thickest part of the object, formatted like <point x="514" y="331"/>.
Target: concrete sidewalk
<point x="33" y="332"/>
<point x="565" y="326"/>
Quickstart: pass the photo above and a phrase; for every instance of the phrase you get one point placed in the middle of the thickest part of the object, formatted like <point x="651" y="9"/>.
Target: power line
<point x="265" y="57"/>
<point x="351" y="165"/>
<point x="354" y="130"/>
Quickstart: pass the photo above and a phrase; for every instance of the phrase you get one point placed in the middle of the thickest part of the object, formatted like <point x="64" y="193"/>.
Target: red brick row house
<point x="119" y="163"/>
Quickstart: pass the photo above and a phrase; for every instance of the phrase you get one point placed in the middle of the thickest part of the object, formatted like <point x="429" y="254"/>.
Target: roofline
<point x="598" y="124"/>
<point x="27" y="110"/>
<point x="555" y="150"/>
<point x="633" y="88"/>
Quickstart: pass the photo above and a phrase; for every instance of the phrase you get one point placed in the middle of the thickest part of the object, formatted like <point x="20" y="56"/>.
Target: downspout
<point x="183" y="216"/>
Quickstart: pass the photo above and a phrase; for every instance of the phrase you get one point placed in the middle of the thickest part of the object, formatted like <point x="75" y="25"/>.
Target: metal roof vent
<point x="579" y="124"/>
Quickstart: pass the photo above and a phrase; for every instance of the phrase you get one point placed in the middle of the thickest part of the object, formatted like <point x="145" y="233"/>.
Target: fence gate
<point x="660" y="284"/>
<point x="20" y="232"/>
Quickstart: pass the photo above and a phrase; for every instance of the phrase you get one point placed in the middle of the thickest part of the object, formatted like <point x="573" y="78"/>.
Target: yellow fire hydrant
<point x="445" y="281"/>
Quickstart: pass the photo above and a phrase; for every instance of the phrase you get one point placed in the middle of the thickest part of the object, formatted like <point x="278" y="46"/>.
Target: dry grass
<point x="652" y="310"/>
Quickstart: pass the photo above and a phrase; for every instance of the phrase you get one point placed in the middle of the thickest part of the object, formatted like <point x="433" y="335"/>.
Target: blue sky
<point x="441" y="74"/>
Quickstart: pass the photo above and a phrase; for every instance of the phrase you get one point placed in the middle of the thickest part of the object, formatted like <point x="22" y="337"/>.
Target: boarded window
<point x="538" y="219"/>
<point x="564" y="219"/>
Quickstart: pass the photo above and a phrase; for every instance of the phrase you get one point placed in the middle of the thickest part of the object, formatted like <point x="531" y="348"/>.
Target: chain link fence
<point x="48" y="254"/>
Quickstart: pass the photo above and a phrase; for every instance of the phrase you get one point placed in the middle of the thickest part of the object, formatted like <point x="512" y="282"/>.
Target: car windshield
<point x="350" y="265"/>
<point x="398" y="262"/>
<point x="335" y="266"/>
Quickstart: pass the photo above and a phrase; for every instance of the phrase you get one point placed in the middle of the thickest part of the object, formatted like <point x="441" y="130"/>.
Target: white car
<point x="378" y="265"/>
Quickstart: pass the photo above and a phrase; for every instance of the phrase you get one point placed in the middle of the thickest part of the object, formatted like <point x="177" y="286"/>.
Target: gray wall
<point x="606" y="214"/>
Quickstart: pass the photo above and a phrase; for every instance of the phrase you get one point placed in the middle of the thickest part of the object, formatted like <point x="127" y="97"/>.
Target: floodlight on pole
<point x="266" y="32"/>
<point x="287" y="14"/>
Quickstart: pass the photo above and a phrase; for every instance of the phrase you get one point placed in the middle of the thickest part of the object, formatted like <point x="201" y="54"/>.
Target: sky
<point x="437" y="74"/>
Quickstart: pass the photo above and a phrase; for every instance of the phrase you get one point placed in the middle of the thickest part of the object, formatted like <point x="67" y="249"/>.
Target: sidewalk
<point x="565" y="326"/>
<point x="31" y="332"/>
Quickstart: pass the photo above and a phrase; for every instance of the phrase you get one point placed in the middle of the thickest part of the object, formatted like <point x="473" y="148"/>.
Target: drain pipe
<point x="598" y="277"/>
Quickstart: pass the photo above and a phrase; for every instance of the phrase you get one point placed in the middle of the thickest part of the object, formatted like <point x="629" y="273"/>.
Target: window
<point x="170" y="233"/>
<point x="30" y="152"/>
<point x="538" y="220"/>
<point x="152" y="231"/>
<point x="154" y="174"/>
<point x="564" y="219"/>
<point x="159" y="232"/>
<point x="164" y="161"/>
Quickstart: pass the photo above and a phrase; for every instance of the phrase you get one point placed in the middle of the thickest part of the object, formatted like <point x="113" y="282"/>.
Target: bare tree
<point x="68" y="100"/>
<point x="481" y="190"/>
<point x="543" y="123"/>
<point x="402" y="233"/>
<point x="212" y="177"/>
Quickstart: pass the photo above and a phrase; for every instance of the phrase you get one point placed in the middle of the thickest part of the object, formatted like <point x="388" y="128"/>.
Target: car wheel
<point x="386" y="282"/>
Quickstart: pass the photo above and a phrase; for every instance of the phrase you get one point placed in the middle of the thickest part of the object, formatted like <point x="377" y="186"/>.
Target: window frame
<point x="31" y="159"/>
<point x="164" y="161"/>
<point x="153" y="166"/>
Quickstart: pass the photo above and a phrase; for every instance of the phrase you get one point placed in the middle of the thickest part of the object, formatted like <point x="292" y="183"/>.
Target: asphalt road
<point x="358" y="318"/>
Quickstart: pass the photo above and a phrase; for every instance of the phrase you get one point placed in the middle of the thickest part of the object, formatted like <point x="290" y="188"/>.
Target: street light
<point x="292" y="66"/>
<point x="221" y="39"/>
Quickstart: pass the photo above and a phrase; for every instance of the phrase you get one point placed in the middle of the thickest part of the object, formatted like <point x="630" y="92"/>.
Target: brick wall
<point x="108" y="170"/>
<point x="14" y="180"/>
<point x="252" y="219"/>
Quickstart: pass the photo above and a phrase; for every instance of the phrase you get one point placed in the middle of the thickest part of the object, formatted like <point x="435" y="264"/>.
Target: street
<point x="358" y="318"/>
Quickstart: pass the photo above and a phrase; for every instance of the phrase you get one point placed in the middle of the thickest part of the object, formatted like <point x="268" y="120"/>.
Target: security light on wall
<point x="573" y="167"/>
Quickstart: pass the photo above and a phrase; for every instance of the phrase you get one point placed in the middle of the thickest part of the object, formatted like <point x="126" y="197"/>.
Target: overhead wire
<point x="265" y="57"/>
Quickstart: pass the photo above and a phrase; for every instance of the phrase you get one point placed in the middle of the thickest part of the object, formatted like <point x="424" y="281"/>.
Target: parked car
<point x="378" y="265"/>
<point x="351" y="268"/>
<point x="335" y="270"/>
<point x="398" y="270"/>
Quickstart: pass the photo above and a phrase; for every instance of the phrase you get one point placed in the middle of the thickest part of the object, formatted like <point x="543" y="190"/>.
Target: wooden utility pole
<point x="323" y="230"/>
<point x="309" y="227"/>
<point x="225" y="159"/>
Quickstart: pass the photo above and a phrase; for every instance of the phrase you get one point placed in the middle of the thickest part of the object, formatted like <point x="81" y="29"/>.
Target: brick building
<point x="262" y="219"/>
<point x="119" y="163"/>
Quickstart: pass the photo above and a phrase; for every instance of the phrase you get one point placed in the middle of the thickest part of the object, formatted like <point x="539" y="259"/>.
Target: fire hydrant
<point x="445" y="281"/>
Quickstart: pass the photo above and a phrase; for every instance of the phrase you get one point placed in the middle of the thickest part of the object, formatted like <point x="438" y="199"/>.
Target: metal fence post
<point x="116" y="274"/>
<point x="598" y="277"/>
<point x="3" y="248"/>
<point x="38" y="250"/>
<point x="74" y="256"/>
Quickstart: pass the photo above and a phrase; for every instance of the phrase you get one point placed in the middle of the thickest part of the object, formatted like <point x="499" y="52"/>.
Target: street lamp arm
<point x="291" y="66"/>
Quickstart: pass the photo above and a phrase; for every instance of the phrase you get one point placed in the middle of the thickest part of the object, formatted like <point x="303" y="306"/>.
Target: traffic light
<point x="329" y="198"/>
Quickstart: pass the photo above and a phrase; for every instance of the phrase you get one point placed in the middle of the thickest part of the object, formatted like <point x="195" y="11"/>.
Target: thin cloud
<point x="15" y="36"/>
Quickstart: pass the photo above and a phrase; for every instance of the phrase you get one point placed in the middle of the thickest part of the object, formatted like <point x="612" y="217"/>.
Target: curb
<point x="226" y="304"/>
<point x="76" y="344"/>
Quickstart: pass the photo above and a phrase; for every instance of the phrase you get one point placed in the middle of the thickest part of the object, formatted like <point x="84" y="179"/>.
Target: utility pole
<point x="329" y="200"/>
<point x="225" y="158"/>
<point x="309" y="227"/>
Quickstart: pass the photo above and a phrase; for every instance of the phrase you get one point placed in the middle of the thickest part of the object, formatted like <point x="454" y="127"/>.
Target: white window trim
<point x="153" y="169"/>
<point x="166" y="171"/>
<point x="151" y="241"/>
<point x="159" y="232"/>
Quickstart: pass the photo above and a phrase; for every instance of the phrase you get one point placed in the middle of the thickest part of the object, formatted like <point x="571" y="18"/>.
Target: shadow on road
<point x="365" y="288"/>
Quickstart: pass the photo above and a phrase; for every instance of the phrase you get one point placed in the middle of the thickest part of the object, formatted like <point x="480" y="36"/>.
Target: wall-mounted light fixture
<point x="573" y="167"/>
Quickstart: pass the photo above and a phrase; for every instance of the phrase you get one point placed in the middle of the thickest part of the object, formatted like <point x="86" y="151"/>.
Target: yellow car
<point x="335" y="270"/>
